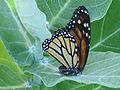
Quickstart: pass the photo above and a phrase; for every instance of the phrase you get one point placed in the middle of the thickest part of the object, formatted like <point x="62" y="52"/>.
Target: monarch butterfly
<point x="70" y="45"/>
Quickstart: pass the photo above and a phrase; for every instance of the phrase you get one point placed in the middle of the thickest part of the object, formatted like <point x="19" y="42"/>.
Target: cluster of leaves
<point x="23" y="28"/>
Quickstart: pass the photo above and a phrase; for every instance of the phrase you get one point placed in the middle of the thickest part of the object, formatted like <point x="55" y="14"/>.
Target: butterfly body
<point x="70" y="45"/>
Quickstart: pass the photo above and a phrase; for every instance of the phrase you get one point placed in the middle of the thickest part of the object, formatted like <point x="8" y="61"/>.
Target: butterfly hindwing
<point x="62" y="47"/>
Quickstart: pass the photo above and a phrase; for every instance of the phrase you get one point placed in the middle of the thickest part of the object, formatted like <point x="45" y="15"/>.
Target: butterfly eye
<point x="70" y="45"/>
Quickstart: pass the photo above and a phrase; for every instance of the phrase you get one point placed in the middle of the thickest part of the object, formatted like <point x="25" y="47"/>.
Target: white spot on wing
<point x="73" y="40"/>
<point x="89" y="28"/>
<point x="75" y="49"/>
<point x="89" y="45"/>
<point x="85" y="25"/>
<point x="79" y="21"/>
<point x="85" y="11"/>
<point x="43" y="45"/>
<point x="54" y="35"/>
<point x="86" y="34"/>
<point x="89" y="37"/>
<point x="73" y="21"/>
<point x="64" y="32"/>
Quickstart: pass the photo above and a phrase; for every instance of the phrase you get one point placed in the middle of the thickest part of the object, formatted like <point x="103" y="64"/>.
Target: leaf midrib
<point x="61" y="10"/>
<point x="109" y="36"/>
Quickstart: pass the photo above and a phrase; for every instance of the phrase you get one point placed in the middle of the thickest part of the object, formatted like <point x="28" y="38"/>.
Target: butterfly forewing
<point x="79" y="27"/>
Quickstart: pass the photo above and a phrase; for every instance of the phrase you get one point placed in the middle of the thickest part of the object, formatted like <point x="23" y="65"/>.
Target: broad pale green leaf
<point x="18" y="31"/>
<point x="14" y="36"/>
<point x="11" y="76"/>
<point x="34" y="21"/>
<point x="32" y="18"/>
<point x="102" y="68"/>
<point x="59" y="12"/>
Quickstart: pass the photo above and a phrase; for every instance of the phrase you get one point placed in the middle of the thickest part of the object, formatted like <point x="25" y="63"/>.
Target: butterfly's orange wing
<point x="79" y="27"/>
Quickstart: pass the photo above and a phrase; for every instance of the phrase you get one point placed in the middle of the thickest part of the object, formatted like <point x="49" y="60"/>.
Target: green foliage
<point x="60" y="11"/>
<point x="102" y="68"/>
<point x="106" y="32"/>
<point x="14" y="35"/>
<point x="23" y="28"/>
<point x="11" y="76"/>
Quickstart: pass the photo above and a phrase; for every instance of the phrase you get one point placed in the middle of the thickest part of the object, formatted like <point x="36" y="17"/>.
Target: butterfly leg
<point x="74" y="71"/>
<point x="69" y="71"/>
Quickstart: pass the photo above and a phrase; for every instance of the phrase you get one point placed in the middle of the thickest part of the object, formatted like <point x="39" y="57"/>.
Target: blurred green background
<point x="23" y="28"/>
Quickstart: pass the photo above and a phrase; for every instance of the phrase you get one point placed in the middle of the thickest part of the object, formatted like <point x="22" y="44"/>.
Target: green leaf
<point x="21" y="26"/>
<point x="71" y="85"/>
<point x="106" y="32"/>
<point x="59" y="12"/>
<point x="14" y="36"/>
<point x="102" y="68"/>
<point x="35" y="23"/>
<point x="32" y="18"/>
<point x="11" y="76"/>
